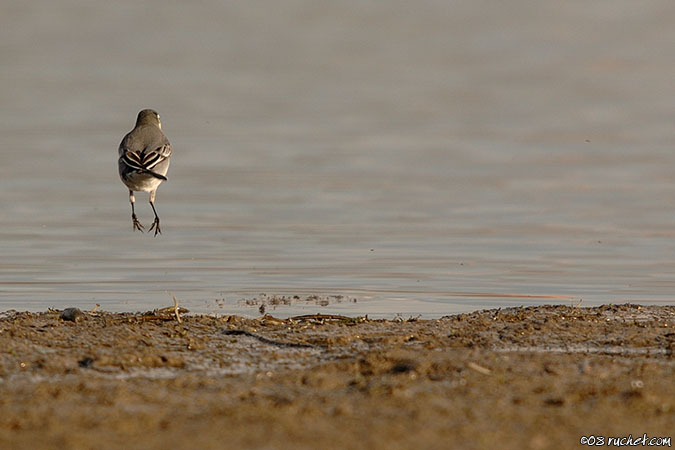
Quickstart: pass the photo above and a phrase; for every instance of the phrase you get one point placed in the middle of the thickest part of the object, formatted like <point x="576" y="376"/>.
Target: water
<point x="422" y="158"/>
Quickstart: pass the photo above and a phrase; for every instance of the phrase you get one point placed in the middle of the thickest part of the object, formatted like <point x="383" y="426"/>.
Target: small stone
<point x="86" y="363"/>
<point x="72" y="314"/>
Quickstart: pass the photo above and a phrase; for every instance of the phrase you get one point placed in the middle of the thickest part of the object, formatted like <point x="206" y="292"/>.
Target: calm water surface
<point x="419" y="157"/>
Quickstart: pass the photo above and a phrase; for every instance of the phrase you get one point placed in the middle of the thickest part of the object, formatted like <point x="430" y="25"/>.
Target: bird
<point x="144" y="157"/>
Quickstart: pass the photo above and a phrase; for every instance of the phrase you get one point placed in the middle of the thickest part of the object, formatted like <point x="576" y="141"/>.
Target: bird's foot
<point x="136" y="224"/>
<point x="155" y="226"/>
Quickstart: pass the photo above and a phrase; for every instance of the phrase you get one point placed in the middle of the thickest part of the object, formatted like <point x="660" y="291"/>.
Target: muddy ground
<point x="539" y="377"/>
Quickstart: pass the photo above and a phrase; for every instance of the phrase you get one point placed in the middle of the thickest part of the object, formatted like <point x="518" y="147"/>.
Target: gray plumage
<point x="144" y="157"/>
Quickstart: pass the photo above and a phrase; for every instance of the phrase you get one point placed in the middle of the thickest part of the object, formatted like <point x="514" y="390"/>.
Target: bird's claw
<point x="136" y="224"/>
<point x="155" y="226"/>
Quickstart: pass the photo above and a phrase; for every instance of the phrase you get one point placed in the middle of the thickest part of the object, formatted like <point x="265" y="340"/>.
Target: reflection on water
<point x="421" y="159"/>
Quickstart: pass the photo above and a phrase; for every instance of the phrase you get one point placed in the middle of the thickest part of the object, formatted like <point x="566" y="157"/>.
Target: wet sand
<point x="536" y="377"/>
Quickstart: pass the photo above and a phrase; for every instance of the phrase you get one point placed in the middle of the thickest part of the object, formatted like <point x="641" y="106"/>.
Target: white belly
<point x="142" y="182"/>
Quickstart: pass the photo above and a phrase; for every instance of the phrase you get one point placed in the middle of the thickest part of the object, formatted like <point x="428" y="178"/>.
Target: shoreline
<point x="528" y="377"/>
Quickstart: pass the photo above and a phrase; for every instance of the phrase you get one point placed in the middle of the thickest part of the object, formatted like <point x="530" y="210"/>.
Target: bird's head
<point x="148" y="117"/>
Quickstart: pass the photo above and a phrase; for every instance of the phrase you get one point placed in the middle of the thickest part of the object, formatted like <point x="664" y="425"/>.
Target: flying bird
<point x="144" y="156"/>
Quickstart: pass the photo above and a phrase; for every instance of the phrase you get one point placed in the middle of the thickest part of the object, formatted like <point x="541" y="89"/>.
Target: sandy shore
<point x="539" y="377"/>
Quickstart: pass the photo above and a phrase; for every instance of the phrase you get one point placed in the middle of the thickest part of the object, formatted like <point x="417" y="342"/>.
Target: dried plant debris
<point x="264" y="301"/>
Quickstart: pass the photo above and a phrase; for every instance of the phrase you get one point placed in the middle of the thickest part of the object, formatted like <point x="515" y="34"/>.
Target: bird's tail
<point x="154" y="174"/>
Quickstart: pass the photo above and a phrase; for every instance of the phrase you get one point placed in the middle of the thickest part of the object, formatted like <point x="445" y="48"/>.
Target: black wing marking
<point x="145" y="161"/>
<point x="154" y="157"/>
<point x="133" y="160"/>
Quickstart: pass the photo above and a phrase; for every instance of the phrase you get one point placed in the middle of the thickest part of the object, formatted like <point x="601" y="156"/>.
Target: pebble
<point x="72" y="314"/>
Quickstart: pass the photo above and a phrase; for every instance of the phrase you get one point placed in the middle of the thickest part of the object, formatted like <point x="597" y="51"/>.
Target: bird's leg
<point x="155" y="224"/>
<point x="134" y="220"/>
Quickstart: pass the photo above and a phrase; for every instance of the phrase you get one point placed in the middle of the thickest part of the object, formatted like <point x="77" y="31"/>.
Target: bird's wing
<point x="145" y="162"/>
<point x="148" y="159"/>
<point x="143" y="149"/>
<point x="132" y="159"/>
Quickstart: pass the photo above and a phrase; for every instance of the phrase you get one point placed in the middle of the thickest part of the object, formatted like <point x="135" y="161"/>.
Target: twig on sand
<point x="168" y="313"/>
<point x="479" y="369"/>
<point x="176" y="309"/>
<point x="322" y="317"/>
<point x="577" y="304"/>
